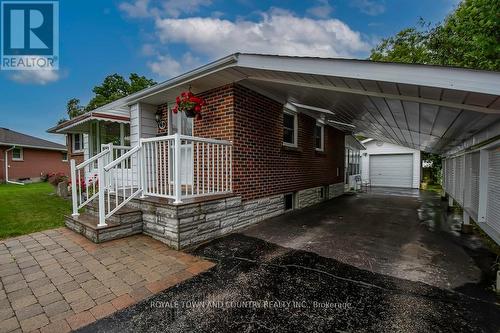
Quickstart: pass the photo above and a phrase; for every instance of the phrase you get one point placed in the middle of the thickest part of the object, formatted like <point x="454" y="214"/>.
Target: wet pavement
<point x="370" y="262"/>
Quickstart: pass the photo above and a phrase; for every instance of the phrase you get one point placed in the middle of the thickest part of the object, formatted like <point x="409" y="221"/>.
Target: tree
<point x="434" y="164"/>
<point x="112" y="88"/>
<point x="73" y="108"/>
<point x="468" y="37"/>
<point x="115" y="86"/>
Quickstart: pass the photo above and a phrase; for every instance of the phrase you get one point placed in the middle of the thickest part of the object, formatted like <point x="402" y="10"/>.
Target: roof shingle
<point x="9" y="137"/>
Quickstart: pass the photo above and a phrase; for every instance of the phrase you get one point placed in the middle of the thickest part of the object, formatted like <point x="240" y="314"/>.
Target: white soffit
<point x="429" y="108"/>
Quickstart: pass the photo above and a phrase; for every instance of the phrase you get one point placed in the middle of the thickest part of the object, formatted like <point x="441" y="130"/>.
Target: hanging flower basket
<point x="188" y="103"/>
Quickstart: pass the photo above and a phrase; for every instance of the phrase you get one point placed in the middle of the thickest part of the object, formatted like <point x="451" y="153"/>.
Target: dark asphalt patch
<point x="259" y="286"/>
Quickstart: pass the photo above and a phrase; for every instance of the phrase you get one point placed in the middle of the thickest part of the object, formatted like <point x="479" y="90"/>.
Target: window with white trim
<point x="77" y="140"/>
<point x="17" y="154"/>
<point x="319" y="137"/>
<point x="64" y="156"/>
<point x="289" y="128"/>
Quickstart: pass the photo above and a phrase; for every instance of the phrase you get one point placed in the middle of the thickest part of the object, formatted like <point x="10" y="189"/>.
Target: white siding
<point x="142" y="125"/>
<point x="142" y="122"/>
<point x="388" y="148"/>
<point x="493" y="205"/>
<point x="135" y="132"/>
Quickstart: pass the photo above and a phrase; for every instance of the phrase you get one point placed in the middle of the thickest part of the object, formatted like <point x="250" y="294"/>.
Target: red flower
<point x="198" y="116"/>
<point x="197" y="108"/>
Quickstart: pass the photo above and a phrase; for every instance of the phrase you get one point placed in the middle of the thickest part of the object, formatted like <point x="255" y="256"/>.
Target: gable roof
<point x="13" y="138"/>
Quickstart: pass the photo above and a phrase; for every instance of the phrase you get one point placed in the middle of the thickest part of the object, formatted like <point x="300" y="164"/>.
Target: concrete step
<point x="124" y="223"/>
<point x="122" y="216"/>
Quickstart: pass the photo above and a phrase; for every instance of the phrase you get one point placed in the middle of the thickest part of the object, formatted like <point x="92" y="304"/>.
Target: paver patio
<point x="58" y="281"/>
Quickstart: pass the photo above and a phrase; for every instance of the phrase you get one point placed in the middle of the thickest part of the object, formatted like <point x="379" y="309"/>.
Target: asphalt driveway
<point x="385" y="261"/>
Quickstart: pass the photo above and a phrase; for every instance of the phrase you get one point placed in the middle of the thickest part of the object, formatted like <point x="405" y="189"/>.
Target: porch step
<point x="123" y="215"/>
<point x="125" y="222"/>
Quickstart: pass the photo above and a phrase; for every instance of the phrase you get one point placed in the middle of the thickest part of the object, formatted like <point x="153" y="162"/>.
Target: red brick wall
<point x="36" y="162"/>
<point x="262" y="166"/>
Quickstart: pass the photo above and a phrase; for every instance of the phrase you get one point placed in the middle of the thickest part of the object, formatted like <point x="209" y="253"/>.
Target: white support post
<point x="483" y="185"/>
<point x="177" y="169"/>
<point x="142" y="168"/>
<point x="102" y="180"/>
<point x="450" y="201"/>
<point x="74" y="196"/>
<point x="109" y="158"/>
<point x="466" y="218"/>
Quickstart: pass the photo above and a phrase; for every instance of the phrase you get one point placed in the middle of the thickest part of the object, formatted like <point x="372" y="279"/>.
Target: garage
<point x="394" y="170"/>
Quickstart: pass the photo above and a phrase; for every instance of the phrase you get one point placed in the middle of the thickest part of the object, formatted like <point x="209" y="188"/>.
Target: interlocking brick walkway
<point x="56" y="280"/>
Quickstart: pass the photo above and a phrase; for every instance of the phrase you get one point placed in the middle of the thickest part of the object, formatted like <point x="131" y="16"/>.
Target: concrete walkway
<point x="57" y="281"/>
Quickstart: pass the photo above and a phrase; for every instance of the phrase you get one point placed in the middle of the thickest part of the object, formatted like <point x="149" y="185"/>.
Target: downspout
<point x="7" y="167"/>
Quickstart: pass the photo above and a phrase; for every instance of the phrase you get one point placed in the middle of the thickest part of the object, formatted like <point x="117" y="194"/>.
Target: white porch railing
<point x="176" y="167"/>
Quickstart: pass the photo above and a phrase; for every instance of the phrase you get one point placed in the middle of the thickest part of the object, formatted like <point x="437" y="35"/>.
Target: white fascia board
<point x="486" y="82"/>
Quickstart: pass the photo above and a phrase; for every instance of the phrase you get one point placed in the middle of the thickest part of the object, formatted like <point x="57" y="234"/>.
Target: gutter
<point x="7" y="167"/>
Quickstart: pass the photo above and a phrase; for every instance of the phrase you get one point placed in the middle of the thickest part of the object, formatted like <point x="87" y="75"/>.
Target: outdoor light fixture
<point x="341" y="124"/>
<point x="162" y="124"/>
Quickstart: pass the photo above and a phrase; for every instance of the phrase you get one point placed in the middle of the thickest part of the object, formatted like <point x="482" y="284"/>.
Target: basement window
<point x="289" y="200"/>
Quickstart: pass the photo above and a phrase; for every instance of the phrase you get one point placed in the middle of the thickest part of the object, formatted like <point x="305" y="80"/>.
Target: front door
<point x="179" y="123"/>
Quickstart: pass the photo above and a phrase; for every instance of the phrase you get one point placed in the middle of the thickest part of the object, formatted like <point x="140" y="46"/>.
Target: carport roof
<point x="430" y="108"/>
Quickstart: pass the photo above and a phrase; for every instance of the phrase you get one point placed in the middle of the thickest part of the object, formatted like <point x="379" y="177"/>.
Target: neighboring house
<point x="387" y="164"/>
<point x="272" y="139"/>
<point x="27" y="158"/>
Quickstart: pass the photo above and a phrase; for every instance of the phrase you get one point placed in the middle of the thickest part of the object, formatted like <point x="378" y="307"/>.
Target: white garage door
<point x="391" y="170"/>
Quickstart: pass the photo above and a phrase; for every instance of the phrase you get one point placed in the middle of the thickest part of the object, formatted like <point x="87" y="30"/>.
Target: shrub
<point x="55" y="178"/>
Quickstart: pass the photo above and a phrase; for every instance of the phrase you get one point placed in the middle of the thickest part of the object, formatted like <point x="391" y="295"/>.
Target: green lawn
<point x="30" y="208"/>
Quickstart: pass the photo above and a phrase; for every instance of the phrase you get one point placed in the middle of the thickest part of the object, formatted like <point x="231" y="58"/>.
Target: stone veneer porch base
<point x="188" y="224"/>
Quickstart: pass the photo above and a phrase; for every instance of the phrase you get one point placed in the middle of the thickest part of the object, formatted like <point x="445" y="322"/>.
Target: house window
<point x="65" y="156"/>
<point x="289" y="199"/>
<point x="17" y="154"/>
<point x="319" y="137"/>
<point x="354" y="158"/>
<point x="289" y="129"/>
<point x="105" y="133"/>
<point x="77" y="143"/>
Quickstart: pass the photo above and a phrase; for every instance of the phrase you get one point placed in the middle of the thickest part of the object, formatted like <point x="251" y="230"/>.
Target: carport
<point x="454" y="112"/>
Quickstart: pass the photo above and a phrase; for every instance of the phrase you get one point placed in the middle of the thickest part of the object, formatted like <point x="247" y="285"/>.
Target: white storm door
<point x="179" y="123"/>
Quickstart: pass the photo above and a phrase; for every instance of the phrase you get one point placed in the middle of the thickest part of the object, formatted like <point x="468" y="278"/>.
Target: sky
<point x="162" y="39"/>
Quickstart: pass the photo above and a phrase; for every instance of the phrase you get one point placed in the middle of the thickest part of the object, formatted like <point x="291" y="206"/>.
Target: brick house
<point x="24" y="157"/>
<point x="272" y="138"/>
